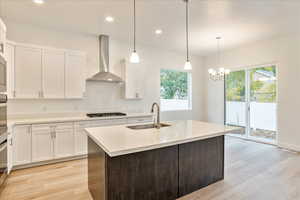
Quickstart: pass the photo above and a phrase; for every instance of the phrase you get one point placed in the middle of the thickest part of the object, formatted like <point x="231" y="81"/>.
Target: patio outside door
<point x="251" y="102"/>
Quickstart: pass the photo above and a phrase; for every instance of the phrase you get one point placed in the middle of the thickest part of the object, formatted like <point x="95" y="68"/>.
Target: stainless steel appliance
<point x="3" y="123"/>
<point x="2" y="75"/>
<point x="112" y="114"/>
<point x="104" y="74"/>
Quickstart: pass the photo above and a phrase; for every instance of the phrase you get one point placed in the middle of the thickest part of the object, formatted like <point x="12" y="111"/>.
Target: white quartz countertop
<point x="66" y="118"/>
<point x="120" y="140"/>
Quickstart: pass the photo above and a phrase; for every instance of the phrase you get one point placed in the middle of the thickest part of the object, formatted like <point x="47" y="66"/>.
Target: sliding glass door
<point x="262" y="103"/>
<point x="236" y="100"/>
<point x="251" y="102"/>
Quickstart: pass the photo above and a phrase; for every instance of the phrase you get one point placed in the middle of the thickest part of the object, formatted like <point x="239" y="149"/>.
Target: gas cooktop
<point x="112" y="114"/>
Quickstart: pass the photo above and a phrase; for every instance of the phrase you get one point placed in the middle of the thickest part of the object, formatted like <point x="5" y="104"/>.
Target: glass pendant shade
<point x="188" y="65"/>
<point x="134" y="58"/>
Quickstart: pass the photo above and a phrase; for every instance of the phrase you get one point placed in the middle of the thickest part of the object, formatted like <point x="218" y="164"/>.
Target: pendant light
<point x="134" y="58"/>
<point x="188" y="65"/>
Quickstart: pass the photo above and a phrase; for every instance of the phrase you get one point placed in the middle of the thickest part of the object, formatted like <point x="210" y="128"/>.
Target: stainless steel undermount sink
<point x="147" y="126"/>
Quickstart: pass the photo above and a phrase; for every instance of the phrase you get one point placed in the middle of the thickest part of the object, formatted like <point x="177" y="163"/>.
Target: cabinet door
<point x="21" y="145"/>
<point x="42" y="142"/>
<point x="64" y="140"/>
<point x="134" y="77"/>
<point x="9" y="152"/>
<point x="28" y="72"/>
<point x="75" y="77"/>
<point x="10" y="57"/>
<point x="53" y="74"/>
<point x="2" y="37"/>
<point x="80" y="139"/>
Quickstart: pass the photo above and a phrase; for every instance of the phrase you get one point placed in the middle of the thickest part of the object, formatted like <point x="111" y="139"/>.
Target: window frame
<point x="189" y="90"/>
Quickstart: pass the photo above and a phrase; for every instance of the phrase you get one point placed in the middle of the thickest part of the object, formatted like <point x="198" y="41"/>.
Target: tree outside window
<point x="175" y="90"/>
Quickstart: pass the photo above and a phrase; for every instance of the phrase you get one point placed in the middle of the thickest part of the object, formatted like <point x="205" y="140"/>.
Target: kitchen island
<point x="154" y="164"/>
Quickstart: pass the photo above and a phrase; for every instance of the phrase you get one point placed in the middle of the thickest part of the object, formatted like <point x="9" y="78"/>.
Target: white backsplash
<point x="99" y="97"/>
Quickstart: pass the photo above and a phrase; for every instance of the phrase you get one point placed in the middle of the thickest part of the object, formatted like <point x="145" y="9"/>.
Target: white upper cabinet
<point x="10" y="69"/>
<point x="134" y="78"/>
<point x="75" y="75"/>
<point x="42" y="72"/>
<point x="2" y="37"/>
<point x="28" y="72"/>
<point x="53" y="74"/>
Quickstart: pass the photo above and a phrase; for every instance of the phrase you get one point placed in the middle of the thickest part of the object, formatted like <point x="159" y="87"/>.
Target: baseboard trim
<point x="285" y="146"/>
<point x="253" y="140"/>
<point x="290" y="147"/>
<point x="36" y="164"/>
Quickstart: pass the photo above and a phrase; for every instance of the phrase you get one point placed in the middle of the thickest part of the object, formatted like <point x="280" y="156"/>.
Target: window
<point x="175" y="90"/>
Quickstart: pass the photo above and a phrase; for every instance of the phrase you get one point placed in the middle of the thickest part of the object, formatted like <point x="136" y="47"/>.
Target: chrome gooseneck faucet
<point x="157" y="123"/>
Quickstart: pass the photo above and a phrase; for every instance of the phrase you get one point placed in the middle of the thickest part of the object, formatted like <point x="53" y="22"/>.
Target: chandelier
<point x="220" y="73"/>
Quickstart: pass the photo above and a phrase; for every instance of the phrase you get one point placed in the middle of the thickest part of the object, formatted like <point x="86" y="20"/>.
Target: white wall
<point x="283" y="51"/>
<point x="103" y="96"/>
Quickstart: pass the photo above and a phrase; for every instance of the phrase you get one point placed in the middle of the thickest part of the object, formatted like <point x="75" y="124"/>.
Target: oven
<point x="3" y="163"/>
<point x="2" y="74"/>
<point x="3" y="123"/>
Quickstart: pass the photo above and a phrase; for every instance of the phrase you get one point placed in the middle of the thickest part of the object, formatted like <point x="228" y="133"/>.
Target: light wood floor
<point x="253" y="172"/>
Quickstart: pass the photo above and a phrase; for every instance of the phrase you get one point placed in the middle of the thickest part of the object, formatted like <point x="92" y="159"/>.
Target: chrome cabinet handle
<point x="53" y="132"/>
<point x="29" y="129"/>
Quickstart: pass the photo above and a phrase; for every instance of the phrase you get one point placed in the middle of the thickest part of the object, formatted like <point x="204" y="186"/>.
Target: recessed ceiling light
<point x="158" y="31"/>
<point x="39" y="1"/>
<point x="109" y="19"/>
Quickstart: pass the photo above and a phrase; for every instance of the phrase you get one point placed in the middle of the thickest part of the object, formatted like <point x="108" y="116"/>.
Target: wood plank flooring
<point x="253" y="172"/>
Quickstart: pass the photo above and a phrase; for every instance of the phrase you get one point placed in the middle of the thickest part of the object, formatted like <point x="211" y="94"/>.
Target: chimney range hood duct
<point x="104" y="74"/>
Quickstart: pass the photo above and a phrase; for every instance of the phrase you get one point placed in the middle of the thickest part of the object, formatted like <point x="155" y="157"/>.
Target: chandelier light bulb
<point x="211" y="70"/>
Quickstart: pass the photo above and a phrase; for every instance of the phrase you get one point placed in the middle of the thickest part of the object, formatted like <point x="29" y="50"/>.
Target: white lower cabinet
<point x="64" y="140"/>
<point x="21" y="145"/>
<point x="80" y="139"/>
<point x="45" y="142"/>
<point x="42" y="143"/>
<point x="52" y="141"/>
<point x="81" y="136"/>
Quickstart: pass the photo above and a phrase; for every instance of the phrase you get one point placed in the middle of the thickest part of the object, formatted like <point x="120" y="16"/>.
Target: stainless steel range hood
<point x="104" y="74"/>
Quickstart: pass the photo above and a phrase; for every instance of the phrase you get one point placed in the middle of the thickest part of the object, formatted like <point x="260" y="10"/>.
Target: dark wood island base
<point x="159" y="174"/>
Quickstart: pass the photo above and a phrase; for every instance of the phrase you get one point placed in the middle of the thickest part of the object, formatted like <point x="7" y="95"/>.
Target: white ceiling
<point x="237" y="21"/>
